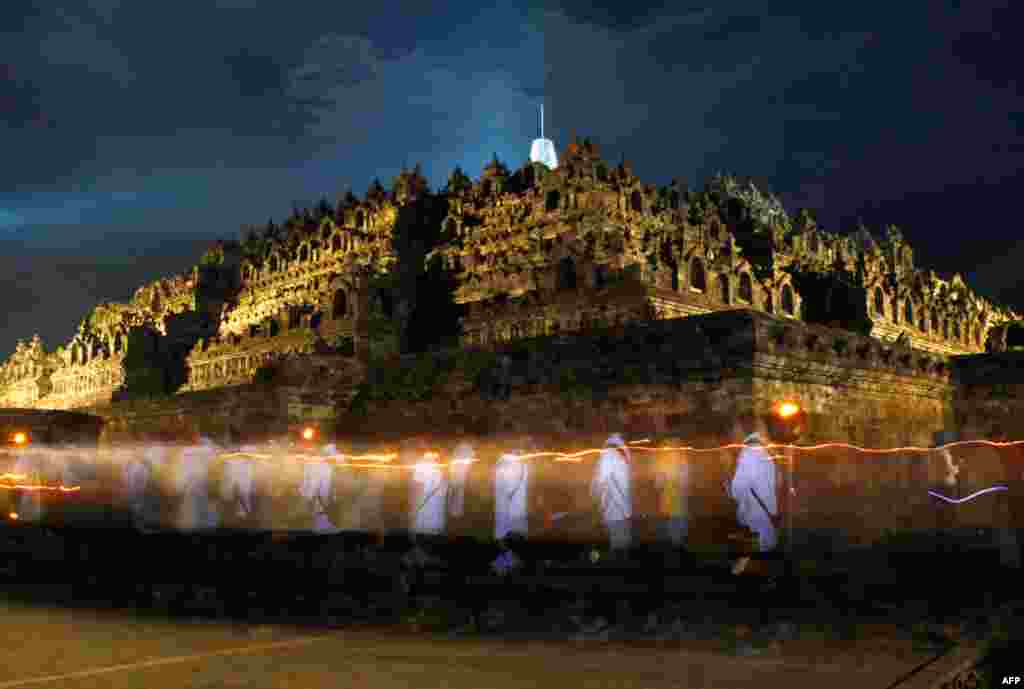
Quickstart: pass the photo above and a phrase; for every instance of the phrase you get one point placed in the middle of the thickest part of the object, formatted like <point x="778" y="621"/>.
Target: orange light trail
<point x="384" y="461"/>
<point x="371" y="461"/>
<point x="41" y="488"/>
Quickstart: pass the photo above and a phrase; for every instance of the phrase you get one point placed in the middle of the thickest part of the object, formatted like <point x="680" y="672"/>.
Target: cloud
<point x="9" y="219"/>
<point x="79" y="44"/>
<point x="333" y="60"/>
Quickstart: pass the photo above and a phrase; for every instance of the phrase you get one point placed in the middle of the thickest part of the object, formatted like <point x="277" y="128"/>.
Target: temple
<point x="555" y="246"/>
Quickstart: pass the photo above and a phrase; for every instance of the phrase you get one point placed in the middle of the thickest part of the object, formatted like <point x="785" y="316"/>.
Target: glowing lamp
<point x="308" y="433"/>
<point x="13" y="515"/>
<point x="20" y="438"/>
<point x="788" y="421"/>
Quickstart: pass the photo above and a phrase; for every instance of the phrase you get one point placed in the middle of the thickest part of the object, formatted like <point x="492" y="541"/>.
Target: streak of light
<point x="41" y="488"/>
<point x="970" y="497"/>
<point x="307" y="457"/>
<point x="381" y="460"/>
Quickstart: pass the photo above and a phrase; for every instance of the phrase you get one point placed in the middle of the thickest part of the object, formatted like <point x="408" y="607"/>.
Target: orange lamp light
<point x="308" y="433"/>
<point x="787" y="409"/>
<point x="20" y="438"/>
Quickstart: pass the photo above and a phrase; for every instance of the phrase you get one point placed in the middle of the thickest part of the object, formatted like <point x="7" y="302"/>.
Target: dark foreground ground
<point x="113" y="608"/>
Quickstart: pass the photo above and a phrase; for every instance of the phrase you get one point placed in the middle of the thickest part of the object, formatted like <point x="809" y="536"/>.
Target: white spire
<point x="543" y="150"/>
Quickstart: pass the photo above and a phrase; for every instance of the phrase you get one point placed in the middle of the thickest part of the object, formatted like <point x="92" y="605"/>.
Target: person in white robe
<point x="612" y="488"/>
<point x="429" y="498"/>
<point x="196" y="511"/>
<point x="462" y="458"/>
<point x="753" y="488"/>
<point x="511" y="484"/>
<point x="318" y="490"/>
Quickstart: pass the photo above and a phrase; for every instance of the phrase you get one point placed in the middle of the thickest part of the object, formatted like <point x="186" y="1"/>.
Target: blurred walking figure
<point x="429" y="496"/>
<point x="672" y="479"/>
<point x="511" y="483"/>
<point x="29" y="503"/>
<point x="140" y="485"/>
<point x="753" y="488"/>
<point x="364" y="491"/>
<point x="462" y="458"/>
<point x="196" y="510"/>
<point x="318" y="489"/>
<point x="237" y="485"/>
<point x="945" y="476"/>
<point x="612" y="488"/>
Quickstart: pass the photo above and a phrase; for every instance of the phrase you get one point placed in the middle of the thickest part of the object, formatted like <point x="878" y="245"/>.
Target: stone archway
<point x="636" y="201"/>
<point x="552" y="200"/>
<point x="788" y="303"/>
<point x="339" y="307"/>
<point x="698" y="278"/>
<point x="746" y="291"/>
<point x="566" y="274"/>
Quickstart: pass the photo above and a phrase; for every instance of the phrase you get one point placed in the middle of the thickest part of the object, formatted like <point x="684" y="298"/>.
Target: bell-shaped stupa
<point x="543" y="150"/>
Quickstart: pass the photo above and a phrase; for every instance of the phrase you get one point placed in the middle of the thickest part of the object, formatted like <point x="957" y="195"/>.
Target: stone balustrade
<point x="236" y="360"/>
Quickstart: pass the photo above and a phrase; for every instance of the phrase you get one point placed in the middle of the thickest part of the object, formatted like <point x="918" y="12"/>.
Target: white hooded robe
<point x="511" y="483"/>
<point x="429" y="498"/>
<point x="318" y="488"/>
<point x="612" y="486"/>
<point x="193" y="474"/>
<point x="755" y="473"/>
<point x="236" y="488"/>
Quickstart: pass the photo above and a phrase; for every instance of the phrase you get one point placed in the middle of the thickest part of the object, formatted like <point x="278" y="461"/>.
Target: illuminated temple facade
<point x="535" y="251"/>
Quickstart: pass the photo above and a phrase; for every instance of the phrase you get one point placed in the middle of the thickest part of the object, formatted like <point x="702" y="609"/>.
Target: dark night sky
<point x="134" y="133"/>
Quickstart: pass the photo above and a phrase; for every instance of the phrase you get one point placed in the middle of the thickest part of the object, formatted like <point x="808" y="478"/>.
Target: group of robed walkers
<point x="205" y="485"/>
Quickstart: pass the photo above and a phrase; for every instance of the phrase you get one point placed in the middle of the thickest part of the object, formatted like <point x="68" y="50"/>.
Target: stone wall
<point x="989" y="393"/>
<point x="309" y="388"/>
<point x="184" y="416"/>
